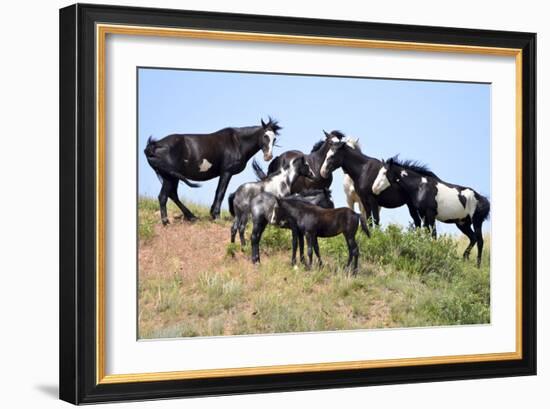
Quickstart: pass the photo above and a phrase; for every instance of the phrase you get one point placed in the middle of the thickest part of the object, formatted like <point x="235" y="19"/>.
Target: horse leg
<point x="362" y="210"/>
<point x="466" y="228"/>
<point x="257" y="231"/>
<point x="220" y="193"/>
<point x="351" y="201"/>
<point x="301" y="243"/>
<point x="415" y="216"/>
<point x="234" y="227"/>
<point x="367" y="209"/>
<point x="479" y="239"/>
<point x="173" y="194"/>
<point x="316" y="249"/>
<point x="309" y="240"/>
<point x="294" y="247"/>
<point x="242" y="227"/>
<point x="375" y="214"/>
<point x="353" y="252"/>
<point x="429" y="223"/>
<point x="163" y="199"/>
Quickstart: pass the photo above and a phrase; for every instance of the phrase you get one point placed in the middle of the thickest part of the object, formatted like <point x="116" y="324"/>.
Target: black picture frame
<point x="78" y="360"/>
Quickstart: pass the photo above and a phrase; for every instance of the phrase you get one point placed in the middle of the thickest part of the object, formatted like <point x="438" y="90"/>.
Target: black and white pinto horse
<point x="363" y="170"/>
<point x="313" y="222"/>
<point x="278" y="184"/>
<point x="436" y="199"/>
<point x="200" y="157"/>
<point x="263" y="209"/>
<point x="314" y="159"/>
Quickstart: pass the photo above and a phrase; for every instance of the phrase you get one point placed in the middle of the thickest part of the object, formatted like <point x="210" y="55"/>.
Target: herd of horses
<point x="294" y="194"/>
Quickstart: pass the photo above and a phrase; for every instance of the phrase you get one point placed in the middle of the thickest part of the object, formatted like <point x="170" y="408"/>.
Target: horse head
<point x="382" y="181"/>
<point x="269" y="136"/>
<point x="333" y="158"/>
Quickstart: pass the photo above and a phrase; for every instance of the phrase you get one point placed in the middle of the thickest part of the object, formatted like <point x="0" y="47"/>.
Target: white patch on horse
<point x="449" y="206"/>
<point x="323" y="170"/>
<point x="471" y="201"/>
<point x="424" y="180"/>
<point x="353" y="143"/>
<point x="334" y="139"/>
<point x="381" y="182"/>
<point x="404" y="173"/>
<point x="273" y="216"/>
<point x="205" y="165"/>
<point x="269" y="153"/>
<point x="352" y="196"/>
<point x="279" y="185"/>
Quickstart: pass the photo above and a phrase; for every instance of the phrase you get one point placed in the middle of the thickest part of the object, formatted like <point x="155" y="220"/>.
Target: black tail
<point x="260" y="174"/>
<point x="364" y="225"/>
<point x="483" y="208"/>
<point x="230" y="203"/>
<point x="159" y="165"/>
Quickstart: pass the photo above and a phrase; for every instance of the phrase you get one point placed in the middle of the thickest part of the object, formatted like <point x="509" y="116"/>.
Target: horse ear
<point x="327" y="135"/>
<point x="264" y="125"/>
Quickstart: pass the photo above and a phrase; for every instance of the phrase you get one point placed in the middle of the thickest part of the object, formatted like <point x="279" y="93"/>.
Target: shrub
<point x="276" y="239"/>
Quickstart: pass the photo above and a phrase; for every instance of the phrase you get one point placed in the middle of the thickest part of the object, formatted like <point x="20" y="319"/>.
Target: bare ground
<point x="175" y="267"/>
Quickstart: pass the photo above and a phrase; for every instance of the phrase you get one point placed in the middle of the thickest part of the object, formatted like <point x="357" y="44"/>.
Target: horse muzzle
<point x="268" y="156"/>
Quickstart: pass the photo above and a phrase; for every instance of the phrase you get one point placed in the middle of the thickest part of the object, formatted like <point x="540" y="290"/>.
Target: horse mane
<point x="273" y="124"/>
<point x="353" y="143"/>
<point x="250" y="130"/>
<point x="338" y="134"/>
<point x="317" y="145"/>
<point x="335" y="133"/>
<point x="244" y="130"/>
<point x="413" y="165"/>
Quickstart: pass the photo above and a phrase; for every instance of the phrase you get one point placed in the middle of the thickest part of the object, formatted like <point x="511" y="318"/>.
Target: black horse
<point x="202" y="157"/>
<point x="363" y="170"/>
<point x="436" y="199"/>
<point x="314" y="221"/>
<point x="314" y="159"/>
<point x="263" y="208"/>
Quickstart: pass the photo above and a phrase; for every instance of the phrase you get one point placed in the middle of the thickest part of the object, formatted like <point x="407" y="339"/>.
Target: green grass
<point x="405" y="279"/>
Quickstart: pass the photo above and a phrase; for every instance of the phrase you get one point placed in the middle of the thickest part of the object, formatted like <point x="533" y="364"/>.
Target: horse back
<point x="282" y="160"/>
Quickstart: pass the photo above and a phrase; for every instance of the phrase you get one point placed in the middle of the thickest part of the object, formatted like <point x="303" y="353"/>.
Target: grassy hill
<point x="193" y="282"/>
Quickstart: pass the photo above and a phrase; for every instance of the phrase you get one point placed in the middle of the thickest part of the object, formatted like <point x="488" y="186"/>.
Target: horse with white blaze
<point x="362" y="170"/>
<point x="436" y="199"/>
<point x="200" y="157"/>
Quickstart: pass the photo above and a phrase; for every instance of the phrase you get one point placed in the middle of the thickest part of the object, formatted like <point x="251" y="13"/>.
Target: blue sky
<point x="443" y="124"/>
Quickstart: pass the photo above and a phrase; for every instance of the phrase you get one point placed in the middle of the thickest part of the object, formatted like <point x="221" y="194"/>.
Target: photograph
<point x="255" y="203"/>
<point x="274" y="203"/>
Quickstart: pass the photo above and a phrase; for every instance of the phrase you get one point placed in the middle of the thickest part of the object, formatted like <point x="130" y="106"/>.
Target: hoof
<point x="215" y="215"/>
<point x="191" y="218"/>
<point x="165" y="222"/>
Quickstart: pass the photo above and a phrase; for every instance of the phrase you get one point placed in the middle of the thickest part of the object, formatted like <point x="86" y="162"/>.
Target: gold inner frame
<point x="101" y="32"/>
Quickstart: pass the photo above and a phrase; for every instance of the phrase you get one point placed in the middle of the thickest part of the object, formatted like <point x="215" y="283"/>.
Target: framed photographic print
<point x="257" y="203"/>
